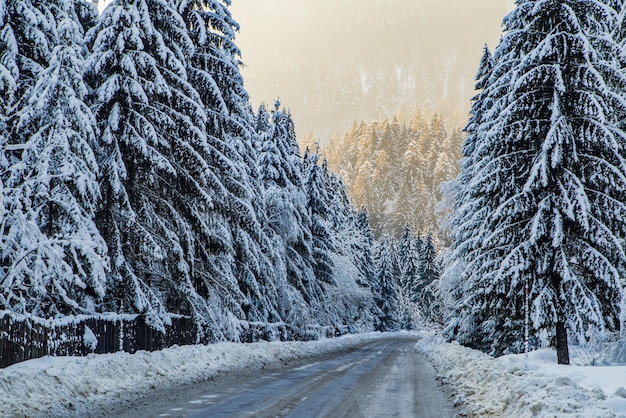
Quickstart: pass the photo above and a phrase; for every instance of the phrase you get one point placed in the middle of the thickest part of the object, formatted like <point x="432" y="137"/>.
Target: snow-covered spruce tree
<point x="385" y="288"/>
<point x="364" y="246"/>
<point x="350" y="236"/>
<point x="214" y="71"/>
<point x="408" y="266"/>
<point x="53" y="257"/>
<point x="262" y="126"/>
<point x="319" y="213"/>
<point x="157" y="185"/>
<point x="427" y="291"/>
<point x="286" y="202"/>
<point x="342" y="298"/>
<point x="551" y="175"/>
<point x="470" y="209"/>
<point x="351" y="298"/>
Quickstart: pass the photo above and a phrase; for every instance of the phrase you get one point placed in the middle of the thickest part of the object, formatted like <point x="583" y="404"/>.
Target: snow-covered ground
<point x="533" y="386"/>
<point x="511" y="386"/>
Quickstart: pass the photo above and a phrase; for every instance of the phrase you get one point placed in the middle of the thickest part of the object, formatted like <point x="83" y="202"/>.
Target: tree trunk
<point x="562" y="351"/>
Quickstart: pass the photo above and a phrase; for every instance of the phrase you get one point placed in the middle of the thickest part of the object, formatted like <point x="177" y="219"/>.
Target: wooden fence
<point x="24" y="339"/>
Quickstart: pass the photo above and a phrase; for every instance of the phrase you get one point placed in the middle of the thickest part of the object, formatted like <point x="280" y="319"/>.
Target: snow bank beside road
<point x="513" y="387"/>
<point x="62" y="386"/>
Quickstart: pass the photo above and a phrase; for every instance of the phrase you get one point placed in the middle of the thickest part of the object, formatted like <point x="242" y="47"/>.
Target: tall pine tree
<point x="469" y="324"/>
<point x="154" y="179"/>
<point x="214" y="71"/>
<point x="385" y="279"/>
<point x="550" y="173"/>
<point x="53" y="257"/>
<point x="409" y="264"/>
<point x="281" y="170"/>
<point x="319" y="213"/>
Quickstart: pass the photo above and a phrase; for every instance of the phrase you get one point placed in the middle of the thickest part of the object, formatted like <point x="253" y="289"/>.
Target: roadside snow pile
<point x="514" y="386"/>
<point x="62" y="386"/>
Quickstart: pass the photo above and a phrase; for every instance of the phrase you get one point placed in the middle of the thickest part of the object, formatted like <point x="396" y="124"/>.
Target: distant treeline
<point x="394" y="168"/>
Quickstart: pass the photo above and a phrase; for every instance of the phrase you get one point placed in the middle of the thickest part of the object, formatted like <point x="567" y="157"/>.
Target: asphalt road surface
<point x="383" y="378"/>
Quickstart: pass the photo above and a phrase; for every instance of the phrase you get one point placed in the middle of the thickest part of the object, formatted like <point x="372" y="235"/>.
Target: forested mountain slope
<point x="395" y="167"/>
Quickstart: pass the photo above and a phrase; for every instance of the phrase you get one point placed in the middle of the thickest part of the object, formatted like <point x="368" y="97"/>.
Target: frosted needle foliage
<point x="540" y="198"/>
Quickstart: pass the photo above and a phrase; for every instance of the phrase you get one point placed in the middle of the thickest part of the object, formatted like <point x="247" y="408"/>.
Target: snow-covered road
<point x="383" y="378"/>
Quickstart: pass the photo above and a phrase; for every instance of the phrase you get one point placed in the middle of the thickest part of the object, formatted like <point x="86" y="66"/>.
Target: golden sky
<point x="334" y="61"/>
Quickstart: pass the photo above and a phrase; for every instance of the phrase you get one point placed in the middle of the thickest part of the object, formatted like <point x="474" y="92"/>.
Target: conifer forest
<point x="136" y="177"/>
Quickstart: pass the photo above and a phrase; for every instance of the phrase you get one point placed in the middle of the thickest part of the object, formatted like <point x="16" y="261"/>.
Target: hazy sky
<point x="334" y="61"/>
